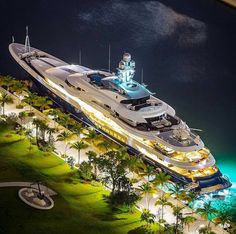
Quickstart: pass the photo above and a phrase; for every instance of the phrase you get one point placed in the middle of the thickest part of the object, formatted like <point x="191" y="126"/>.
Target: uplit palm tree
<point x="163" y="201"/>
<point x="161" y="179"/>
<point x="122" y="153"/>
<point x="41" y="127"/>
<point x="55" y="113"/>
<point x="191" y="197"/>
<point x="18" y="87"/>
<point x="104" y="144"/>
<point x="42" y="103"/>
<point x="206" y="211"/>
<point x="7" y="81"/>
<point x="187" y="220"/>
<point x="92" y="156"/>
<point x="206" y="230"/>
<point x="79" y="146"/>
<point x="65" y="120"/>
<point x="136" y="165"/>
<point x="5" y="99"/>
<point x="146" y="190"/>
<point x="77" y="129"/>
<point x="28" y="133"/>
<point x="22" y="116"/>
<point x="29" y="99"/>
<point x="149" y="172"/>
<point x="223" y="218"/>
<point x="92" y="135"/>
<point x="177" y="191"/>
<point x="50" y="132"/>
<point x="37" y="122"/>
<point x="177" y="212"/>
<point x="147" y="217"/>
<point x="66" y="137"/>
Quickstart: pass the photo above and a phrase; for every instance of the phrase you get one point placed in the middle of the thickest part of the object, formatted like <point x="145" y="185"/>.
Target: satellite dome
<point x="126" y="57"/>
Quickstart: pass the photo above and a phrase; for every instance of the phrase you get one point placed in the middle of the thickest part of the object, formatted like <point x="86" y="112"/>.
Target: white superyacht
<point x="126" y="111"/>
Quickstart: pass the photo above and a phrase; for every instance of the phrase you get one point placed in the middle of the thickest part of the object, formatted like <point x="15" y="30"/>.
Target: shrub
<point x="19" y="106"/>
<point x="85" y="170"/>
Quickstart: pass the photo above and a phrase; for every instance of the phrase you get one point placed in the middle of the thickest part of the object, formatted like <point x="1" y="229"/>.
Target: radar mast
<point x="27" y="41"/>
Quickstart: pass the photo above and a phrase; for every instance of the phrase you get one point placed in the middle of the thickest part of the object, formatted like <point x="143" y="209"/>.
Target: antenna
<point x="27" y="41"/>
<point x="109" y="57"/>
<point x="196" y="129"/>
<point x="80" y="57"/>
<point x="12" y="39"/>
<point x="142" y="76"/>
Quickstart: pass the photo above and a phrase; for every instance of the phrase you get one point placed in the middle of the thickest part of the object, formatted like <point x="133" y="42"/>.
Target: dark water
<point x="187" y="49"/>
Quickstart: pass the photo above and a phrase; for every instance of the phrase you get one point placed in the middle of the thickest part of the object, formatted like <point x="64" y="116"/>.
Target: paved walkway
<point x="168" y="212"/>
<point x="46" y="190"/>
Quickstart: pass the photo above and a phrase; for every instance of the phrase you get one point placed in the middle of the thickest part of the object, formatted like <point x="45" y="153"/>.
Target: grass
<point x="79" y="207"/>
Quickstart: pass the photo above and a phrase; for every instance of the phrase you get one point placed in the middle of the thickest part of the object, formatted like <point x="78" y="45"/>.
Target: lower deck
<point x="178" y="176"/>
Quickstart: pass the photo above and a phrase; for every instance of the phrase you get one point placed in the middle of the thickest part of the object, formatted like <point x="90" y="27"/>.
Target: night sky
<point x="187" y="49"/>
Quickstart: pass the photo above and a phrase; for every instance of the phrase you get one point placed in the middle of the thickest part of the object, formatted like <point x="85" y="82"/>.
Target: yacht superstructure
<point x="127" y="111"/>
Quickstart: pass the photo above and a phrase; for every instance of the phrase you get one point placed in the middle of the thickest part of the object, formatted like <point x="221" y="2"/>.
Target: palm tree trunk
<point x="37" y="135"/>
<point x="3" y="109"/>
<point x="209" y="223"/>
<point x="65" y="149"/>
<point x="78" y="156"/>
<point x="147" y="202"/>
<point x="95" y="171"/>
<point x="162" y="212"/>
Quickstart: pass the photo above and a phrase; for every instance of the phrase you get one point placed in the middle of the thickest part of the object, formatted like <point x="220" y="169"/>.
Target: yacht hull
<point x="205" y="182"/>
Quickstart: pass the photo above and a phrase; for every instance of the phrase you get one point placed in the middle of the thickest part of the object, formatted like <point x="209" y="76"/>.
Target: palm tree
<point x="79" y="146"/>
<point x="22" y="116"/>
<point x="92" y="135"/>
<point x="177" y="212"/>
<point x="92" y="156"/>
<point x="41" y="128"/>
<point x="71" y="161"/>
<point x="77" y="129"/>
<point x="37" y="122"/>
<point x="136" y="165"/>
<point x="206" y="230"/>
<point x="150" y="171"/>
<point x="163" y="201"/>
<point x="104" y="144"/>
<point x="223" y="219"/>
<point x="190" y="198"/>
<point x="65" y="136"/>
<point x="29" y="99"/>
<point x="65" y="120"/>
<point x="206" y="211"/>
<point x="177" y="191"/>
<point x="161" y="179"/>
<point x="42" y="103"/>
<point x="187" y="220"/>
<point x="7" y="81"/>
<point x="55" y="113"/>
<point x="147" y="217"/>
<point x="18" y="87"/>
<point x="50" y="132"/>
<point x="5" y="99"/>
<point x="28" y="133"/>
<point x="146" y="190"/>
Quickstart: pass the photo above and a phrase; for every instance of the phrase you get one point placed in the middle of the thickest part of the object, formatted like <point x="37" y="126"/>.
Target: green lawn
<point x="79" y="207"/>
